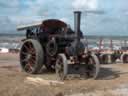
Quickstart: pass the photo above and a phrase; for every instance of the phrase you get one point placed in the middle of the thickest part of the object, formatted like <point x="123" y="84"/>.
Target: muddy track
<point x="112" y="81"/>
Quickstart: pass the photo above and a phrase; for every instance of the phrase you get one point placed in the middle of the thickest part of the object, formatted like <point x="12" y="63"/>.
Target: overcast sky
<point x="114" y="21"/>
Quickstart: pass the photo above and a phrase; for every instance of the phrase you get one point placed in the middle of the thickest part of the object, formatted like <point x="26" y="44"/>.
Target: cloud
<point x="64" y="19"/>
<point x="8" y="4"/>
<point x="33" y="7"/>
<point x="17" y="12"/>
<point x="25" y="19"/>
<point x="85" y="4"/>
<point x="6" y="26"/>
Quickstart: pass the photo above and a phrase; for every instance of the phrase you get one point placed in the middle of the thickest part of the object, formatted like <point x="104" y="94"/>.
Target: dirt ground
<point x="112" y="81"/>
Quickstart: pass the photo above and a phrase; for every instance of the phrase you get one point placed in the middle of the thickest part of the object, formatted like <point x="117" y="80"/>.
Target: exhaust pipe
<point x="77" y="19"/>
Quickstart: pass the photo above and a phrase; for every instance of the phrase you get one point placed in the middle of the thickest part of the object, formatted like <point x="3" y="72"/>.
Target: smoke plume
<point x="85" y="4"/>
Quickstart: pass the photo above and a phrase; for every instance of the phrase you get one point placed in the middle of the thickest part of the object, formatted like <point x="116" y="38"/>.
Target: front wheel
<point x="61" y="67"/>
<point x="93" y="66"/>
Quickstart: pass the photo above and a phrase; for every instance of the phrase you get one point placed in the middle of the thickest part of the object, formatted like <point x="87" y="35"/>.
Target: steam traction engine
<point x="107" y="56"/>
<point x="124" y="51"/>
<point x="56" y="46"/>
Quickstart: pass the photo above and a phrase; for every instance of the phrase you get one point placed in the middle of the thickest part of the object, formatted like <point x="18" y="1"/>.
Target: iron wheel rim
<point x="28" y="57"/>
<point x="60" y="68"/>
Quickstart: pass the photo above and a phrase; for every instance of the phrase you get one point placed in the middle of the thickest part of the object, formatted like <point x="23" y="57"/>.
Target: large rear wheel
<point x="31" y="56"/>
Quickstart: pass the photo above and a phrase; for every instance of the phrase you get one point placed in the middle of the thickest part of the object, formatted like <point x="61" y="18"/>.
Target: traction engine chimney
<point x="77" y="19"/>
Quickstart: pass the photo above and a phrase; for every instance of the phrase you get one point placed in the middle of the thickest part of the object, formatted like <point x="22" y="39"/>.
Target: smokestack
<point x="77" y="18"/>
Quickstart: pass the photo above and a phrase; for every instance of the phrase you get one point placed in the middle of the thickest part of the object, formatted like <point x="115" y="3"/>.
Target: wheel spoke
<point x="32" y="51"/>
<point x="28" y="67"/>
<point x="58" y="66"/>
<point x="29" y="45"/>
<point x="24" y="53"/>
<point x="32" y="61"/>
<point x="24" y="60"/>
<point x="26" y="47"/>
<point x="33" y="56"/>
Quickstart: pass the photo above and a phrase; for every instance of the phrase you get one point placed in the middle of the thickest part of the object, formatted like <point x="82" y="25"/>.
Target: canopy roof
<point x="50" y="23"/>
